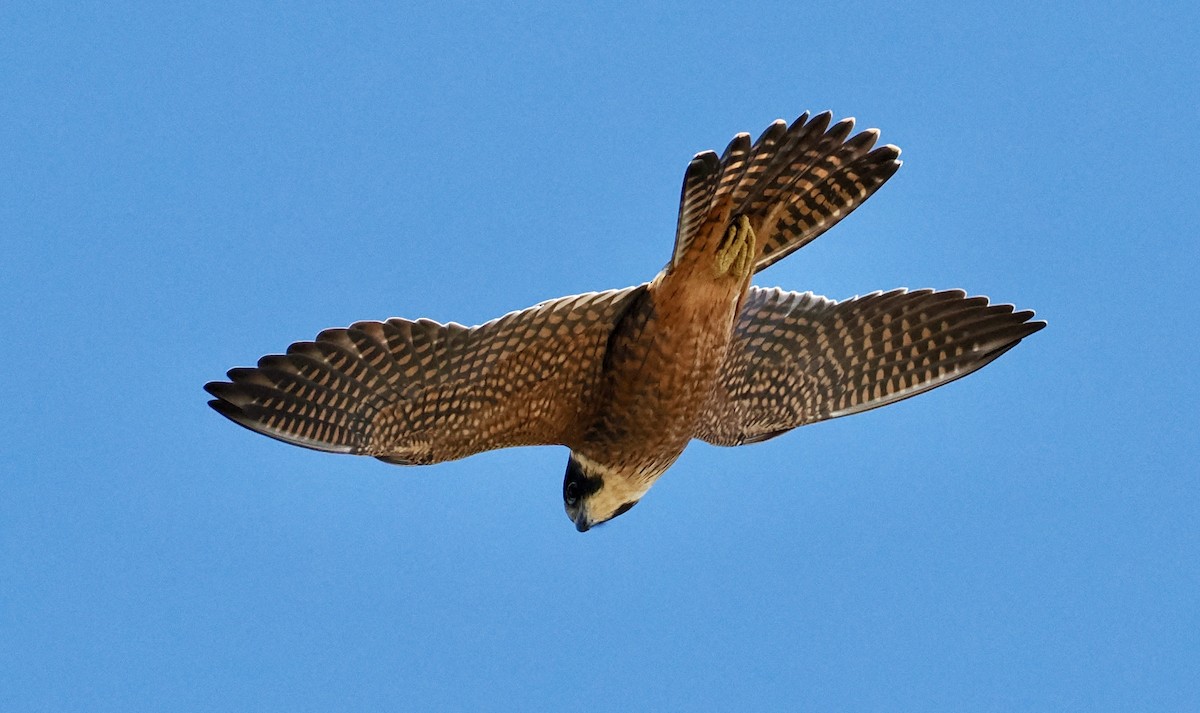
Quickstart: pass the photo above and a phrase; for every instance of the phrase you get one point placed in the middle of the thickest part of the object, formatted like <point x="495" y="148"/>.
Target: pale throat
<point x="618" y="487"/>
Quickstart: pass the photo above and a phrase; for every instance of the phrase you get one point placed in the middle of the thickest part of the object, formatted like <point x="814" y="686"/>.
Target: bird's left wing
<point x="421" y="392"/>
<point x="797" y="358"/>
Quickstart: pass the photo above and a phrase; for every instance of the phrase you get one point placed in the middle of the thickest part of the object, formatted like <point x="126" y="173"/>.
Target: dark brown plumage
<point x="625" y="378"/>
<point x="421" y="392"/>
<point x="799" y="358"/>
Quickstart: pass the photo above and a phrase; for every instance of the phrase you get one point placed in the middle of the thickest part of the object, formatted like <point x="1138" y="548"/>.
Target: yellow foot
<point x="735" y="255"/>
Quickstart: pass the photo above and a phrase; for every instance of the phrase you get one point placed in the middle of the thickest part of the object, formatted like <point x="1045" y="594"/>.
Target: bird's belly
<point x="662" y="362"/>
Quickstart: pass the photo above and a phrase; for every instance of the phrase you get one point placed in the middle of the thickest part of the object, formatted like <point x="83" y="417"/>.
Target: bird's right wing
<point x="422" y="392"/>
<point x="797" y="358"/>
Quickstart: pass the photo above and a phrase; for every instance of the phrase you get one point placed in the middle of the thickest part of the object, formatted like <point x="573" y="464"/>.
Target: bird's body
<point x="662" y="362"/>
<point x="626" y="378"/>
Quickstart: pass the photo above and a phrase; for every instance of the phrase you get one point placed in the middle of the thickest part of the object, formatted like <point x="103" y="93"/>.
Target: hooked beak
<point x="581" y="522"/>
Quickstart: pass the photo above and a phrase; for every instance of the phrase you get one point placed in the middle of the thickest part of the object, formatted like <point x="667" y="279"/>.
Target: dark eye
<point x="571" y="492"/>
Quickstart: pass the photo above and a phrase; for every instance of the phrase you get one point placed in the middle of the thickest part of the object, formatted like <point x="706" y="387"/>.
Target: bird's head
<point x="594" y="493"/>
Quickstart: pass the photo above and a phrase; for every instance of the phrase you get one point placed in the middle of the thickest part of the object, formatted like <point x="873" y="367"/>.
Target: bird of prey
<point x="626" y="378"/>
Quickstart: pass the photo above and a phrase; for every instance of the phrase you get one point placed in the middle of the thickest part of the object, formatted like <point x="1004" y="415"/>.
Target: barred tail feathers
<point x="793" y="183"/>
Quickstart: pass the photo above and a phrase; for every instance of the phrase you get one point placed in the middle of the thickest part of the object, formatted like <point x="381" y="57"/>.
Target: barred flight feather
<point x="423" y="392"/>
<point x="798" y="358"/>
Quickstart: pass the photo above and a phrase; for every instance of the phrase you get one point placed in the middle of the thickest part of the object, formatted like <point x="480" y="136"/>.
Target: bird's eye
<point x="571" y="493"/>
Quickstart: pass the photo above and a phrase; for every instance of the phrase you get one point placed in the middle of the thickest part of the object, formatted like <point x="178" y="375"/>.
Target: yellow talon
<point x="736" y="251"/>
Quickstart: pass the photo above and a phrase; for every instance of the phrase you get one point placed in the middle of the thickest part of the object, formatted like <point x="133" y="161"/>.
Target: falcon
<point x="626" y="378"/>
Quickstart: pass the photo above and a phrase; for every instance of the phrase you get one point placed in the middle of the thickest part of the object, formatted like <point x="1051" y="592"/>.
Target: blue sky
<point x="187" y="188"/>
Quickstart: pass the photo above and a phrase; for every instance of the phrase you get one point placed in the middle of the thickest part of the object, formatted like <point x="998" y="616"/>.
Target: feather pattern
<point x="423" y="392"/>
<point x="797" y="358"/>
<point x="794" y="183"/>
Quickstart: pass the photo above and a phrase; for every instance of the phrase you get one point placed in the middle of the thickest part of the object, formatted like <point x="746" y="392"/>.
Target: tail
<point x="793" y="184"/>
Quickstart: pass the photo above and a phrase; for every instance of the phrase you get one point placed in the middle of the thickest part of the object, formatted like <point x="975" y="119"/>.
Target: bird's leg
<point x="735" y="254"/>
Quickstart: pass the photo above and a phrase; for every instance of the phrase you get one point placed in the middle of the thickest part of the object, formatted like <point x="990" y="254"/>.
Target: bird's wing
<point x="799" y="358"/>
<point x="794" y="183"/>
<point x="422" y="392"/>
